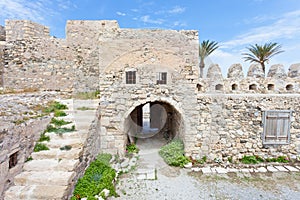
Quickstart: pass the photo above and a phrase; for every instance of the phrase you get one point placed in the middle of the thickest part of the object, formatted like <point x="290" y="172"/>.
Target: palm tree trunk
<point x="201" y="66"/>
<point x="263" y="68"/>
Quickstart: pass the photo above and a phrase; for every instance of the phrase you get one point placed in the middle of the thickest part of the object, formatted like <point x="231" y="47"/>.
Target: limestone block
<point x="277" y="71"/>
<point x="235" y="71"/>
<point x="294" y="70"/>
<point x="255" y="71"/>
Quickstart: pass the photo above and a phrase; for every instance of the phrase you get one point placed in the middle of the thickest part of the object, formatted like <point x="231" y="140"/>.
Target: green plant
<point x="85" y="108"/>
<point x="40" y="147"/>
<point x="43" y="138"/>
<point x="59" y="113"/>
<point x="104" y="158"/>
<point x="87" y="95"/>
<point x="51" y="128"/>
<point x="66" y="148"/>
<point x="98" y="176"/>
<point x="29" y="159"/>
<point x="59" y="122"/>
<point x="54" y="106"/>
<point x="132" y="148"/>
<point x="173" y="153"/>
<point x="279" y="159"/>
<point x="251" y="159"/>
<point x="230" y="159"/>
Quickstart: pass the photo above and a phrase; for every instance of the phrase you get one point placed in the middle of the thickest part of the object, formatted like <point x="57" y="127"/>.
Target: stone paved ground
<point x="204" y="183"/>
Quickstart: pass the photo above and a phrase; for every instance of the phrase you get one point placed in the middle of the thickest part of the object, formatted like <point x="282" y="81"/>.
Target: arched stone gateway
<point x="145" y="118"/>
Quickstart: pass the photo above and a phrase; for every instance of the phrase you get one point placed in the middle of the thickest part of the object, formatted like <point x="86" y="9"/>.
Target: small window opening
<point x="234" y="87"/>
<point x="131" y="77"/>
<point x="161" y="78"/>
<point x="253" y="87"/>
<point x="289" y="87"/>
<point x="13" y="160"/>
<point x="271" y="86"/>
<point x="219" y="87"/>
<point x="200" y="88"/>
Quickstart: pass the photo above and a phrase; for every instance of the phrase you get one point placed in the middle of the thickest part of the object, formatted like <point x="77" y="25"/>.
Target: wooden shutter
<point x="277" y="127"/>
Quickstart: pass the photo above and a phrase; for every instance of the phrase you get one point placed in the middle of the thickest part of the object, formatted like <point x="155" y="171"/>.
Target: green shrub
<point x="59" y="113"/>
<point x="279" y="159"/>
<point x="53" y="106"/>
<point x="132" y="148"/>
<point x="87" y="95"/>
<point x="66" y="148"/>
<point x="251" y="159"/>
<point x="59" y="122"/>
<point x="51" y="128"/>
<point x="40" y="147"/>
<point x="173" y="153"/>
<point x="97" y="177"/>
<point x="85" y="108"/>
<point x="104" y="158"/>
<point x="43" y="138"/>
<point x="29" y="159"/>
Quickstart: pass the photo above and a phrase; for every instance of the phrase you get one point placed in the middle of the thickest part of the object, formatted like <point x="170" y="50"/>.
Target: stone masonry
<point x="220" y="117"/>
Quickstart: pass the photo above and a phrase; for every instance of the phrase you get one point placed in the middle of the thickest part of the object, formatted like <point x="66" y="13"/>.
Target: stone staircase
<point x="51" y="173"/>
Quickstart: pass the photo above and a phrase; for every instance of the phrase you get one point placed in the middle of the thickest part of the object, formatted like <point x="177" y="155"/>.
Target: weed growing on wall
<point x="40" y="147"/>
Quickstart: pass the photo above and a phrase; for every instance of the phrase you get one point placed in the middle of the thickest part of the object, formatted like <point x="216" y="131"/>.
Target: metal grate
<point x="277" y="126"/>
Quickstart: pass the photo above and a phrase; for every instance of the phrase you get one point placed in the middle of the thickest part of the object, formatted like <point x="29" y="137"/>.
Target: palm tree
<point x="205" y="49"/>
<point x="262" y="53"/>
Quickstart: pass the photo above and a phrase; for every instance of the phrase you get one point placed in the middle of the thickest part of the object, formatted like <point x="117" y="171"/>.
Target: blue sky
<point x="233" y="23"/>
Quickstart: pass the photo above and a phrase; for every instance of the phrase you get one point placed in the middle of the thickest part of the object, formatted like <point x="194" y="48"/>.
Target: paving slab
<point x="206" y="170"/>
<point x="261" y="170"/>
<point x="221" y="170"/>
<point x="232" y="170"/>
<point x="271" y="169"/>
<point x="57" y="154"/>
<point x="281" y="168"/>
<point x="291" y="168"/>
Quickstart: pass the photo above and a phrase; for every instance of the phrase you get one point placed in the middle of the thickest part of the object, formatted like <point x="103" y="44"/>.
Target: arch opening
<point x="253" y="87"/>
<point x="271" y="86"/>
<point x="289" y="87"/>
<point x="234" y="86"/>
<point x="157" y="121"/>
<point x="219" y="87"/>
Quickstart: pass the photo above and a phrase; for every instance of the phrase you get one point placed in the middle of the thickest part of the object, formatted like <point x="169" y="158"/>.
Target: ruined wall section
<point x="147" y="52"/>
<point x="2" y="44"/>
<point x="24" y="30"/>
<point x="34" y="60"/>
<point x="231" y="125"/>
<point x="83" y="40"/>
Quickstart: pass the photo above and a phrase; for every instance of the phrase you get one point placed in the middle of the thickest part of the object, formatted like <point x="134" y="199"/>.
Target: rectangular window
<point x="277" y="126"/>
<point x="13" y="160"/>
<point x="161" y="78"/>
<point x="131" y="77"/>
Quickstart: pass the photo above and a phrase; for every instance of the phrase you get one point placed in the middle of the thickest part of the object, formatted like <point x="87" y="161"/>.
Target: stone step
<point x="37" y="192"/>
<point x="69" y="135"/>
<point x="48" y="178"/>
<point x="58" y="143"/>
<point x="72" y="154"/>
<point x="50" y="165"/>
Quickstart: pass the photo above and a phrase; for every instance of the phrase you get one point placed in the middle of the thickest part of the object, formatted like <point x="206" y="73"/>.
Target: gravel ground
<point x="174" y="183"/>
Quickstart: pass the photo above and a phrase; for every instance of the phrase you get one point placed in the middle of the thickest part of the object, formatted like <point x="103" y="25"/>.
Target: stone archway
<point x="165" y="121"/>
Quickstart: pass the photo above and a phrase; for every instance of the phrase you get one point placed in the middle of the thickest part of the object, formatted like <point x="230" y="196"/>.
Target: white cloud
<point x="37" y="10"/>
<point x="121" y="14"/>
<point x="177" y="10"/>
<point x="286" y="26"/>
<point x="148" y="20"/>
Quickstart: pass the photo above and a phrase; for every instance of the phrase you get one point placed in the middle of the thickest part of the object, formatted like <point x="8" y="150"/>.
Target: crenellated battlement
<point x="277" y="80"/>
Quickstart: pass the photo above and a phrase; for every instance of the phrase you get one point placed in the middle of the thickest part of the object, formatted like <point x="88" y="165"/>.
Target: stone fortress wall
<point x="215" y="116"/>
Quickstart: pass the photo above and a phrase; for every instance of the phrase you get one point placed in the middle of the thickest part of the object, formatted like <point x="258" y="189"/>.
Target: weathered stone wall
<point x="2" y="33"/>
<point x="147" y="52"/>
<point x="1" y="63"/>
<point x="231" y="125"/>
<point x="24" y="29"/>
<point x="18" y="139"/>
